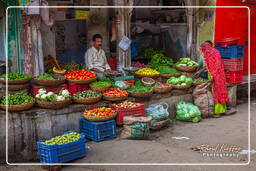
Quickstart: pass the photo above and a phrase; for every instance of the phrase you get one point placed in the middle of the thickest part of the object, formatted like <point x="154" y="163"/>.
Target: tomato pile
<point x="82" y="74"/>
<point x="99" y="112"/>
<point x="115" y="92"/>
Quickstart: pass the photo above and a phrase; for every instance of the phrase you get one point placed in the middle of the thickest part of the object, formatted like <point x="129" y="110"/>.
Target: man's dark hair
<point x="210" y="42"/>
<point x="96" y="36"/>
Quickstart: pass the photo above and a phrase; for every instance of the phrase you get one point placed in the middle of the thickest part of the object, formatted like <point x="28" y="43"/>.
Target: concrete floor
<point x="162" y="148"/>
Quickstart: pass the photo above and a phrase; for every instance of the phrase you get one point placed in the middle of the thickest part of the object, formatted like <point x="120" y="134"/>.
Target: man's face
<point x="97" y="43"/>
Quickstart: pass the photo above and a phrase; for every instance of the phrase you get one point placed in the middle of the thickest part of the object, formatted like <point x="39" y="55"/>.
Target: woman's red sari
<point x="215" y="67"/>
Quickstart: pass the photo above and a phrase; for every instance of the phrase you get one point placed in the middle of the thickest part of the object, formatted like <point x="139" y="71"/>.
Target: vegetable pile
<point x="101" y="84"/>
<point x="87" y="94"/>
<point x="147" y="71"/>
<point x="138" y="65"/>
<point x="45" y="76"/>
<point x="17" y="99"/>
<point x="43" y="95"/>
<point x="139" y="88"/>
<point x="115" y="92"/>
<point x="200" y="80"/>
<point x="149" y="52"/>
<point x="186" y="62"/>
<point x="127" y="104"/>
<point x="180" y="81"/>
<point x="162" y="85"/>
<point x="82" y="74"/>
<point x="166" y="70"/>
<point x="64" y="139"/>
<point x="99" y="112"/>
<point x="72" y="66"/>
<point x="187" y="112"/>
<point x="14" y="76"/>
<point x="160" y="60"/>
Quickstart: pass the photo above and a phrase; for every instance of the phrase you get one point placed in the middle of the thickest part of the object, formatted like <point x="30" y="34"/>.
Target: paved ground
<point x="162" y="148"/>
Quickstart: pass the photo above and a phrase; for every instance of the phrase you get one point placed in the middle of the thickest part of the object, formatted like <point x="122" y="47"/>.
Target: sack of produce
<point x="159" y="113"/>
<point x="187" y="112"/>
<point x="136" y="127"/>
<point x="203" y="99"/>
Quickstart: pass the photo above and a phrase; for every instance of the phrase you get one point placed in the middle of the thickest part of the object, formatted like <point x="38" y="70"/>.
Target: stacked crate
<point x="232" y="58"/>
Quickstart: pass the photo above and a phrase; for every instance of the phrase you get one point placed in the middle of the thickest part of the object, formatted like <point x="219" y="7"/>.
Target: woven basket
<point x="53" y="105"/>
<point x="87" y="81"/>
<point x="114" y="98"/>
<point x="87" y="100"/>
<point x="182" y="87"/>
<point x="148" y="76"/>
<point x="99" y="119"/>
<point x="198" y="83"/>
<point x="170" y="75"/>
<point x="186" y="68"/>
<point x="163" y="89"/>
<point x="49" y="82"/>
<point x="15" y="87"/>
<point x="16" y="108"/>
<point x="20" y="81"/>
<point x="148" y="81"/>
<point x="141" y="94"/>
<point x="100" y="89"/>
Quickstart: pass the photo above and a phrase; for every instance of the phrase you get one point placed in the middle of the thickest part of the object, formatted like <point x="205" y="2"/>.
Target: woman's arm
<point x="199" y="72"/>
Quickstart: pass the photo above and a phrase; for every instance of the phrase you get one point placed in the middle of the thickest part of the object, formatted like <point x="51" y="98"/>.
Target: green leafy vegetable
<point x="87" y="94"/>
<point x="45" y="76"/>
<point x="17" y="99"/>
<point x="101" y="84"/>
<point x="150" y="52"/>
<point x="15" y="76"/>
<point x="167" y="70"/>
<point x="138" y="88"/>
<point x="160" y="60"/>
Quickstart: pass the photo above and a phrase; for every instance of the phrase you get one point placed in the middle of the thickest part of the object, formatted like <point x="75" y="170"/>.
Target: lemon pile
<point x="147" y="71"/>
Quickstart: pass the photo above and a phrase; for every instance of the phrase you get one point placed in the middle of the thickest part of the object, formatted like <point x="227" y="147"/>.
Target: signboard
<point x="82" y="14"/>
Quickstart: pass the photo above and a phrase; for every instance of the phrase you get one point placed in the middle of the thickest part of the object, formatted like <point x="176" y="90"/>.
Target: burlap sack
<point x="203" y="99"/>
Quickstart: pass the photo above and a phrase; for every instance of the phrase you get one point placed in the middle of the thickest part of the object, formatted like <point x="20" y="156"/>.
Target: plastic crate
<point x="233" y="64"/>
<point x="55" y="89"/>
<point x="98" y="131"/>
<point x="62" y="153"/>
<point x="234" y="76"/>
<point x="75" y="88"/>
<point x="121" y="112"/>
<point x="233" y="51"/>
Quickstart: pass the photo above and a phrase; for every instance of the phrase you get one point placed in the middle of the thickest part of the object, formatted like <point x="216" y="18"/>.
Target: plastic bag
<point x="122" y="85"/>
<point x="136" y="127"/>
<point x="187" y="112"/>
<point x="158" y="111"/>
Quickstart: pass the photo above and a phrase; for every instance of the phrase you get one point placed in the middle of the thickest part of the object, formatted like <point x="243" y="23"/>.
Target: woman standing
<point x="213" y="62"/>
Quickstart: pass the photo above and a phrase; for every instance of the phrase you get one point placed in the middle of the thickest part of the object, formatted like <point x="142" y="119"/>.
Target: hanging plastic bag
<point x="122" y="85"/>
<point x="158" y="111"/>
<point x="187" y="112"/>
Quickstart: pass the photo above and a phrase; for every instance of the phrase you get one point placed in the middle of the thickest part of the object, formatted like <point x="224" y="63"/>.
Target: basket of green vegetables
<point x="181" y="82"/>
<point x="87" y="97"/>
<point x="15" y="78"/>
<point x="17" y="102"/>
<point x="167" y="72"/>
<point x="50" y="79"/>
<point x="100" y="86"/>
<point x="199" y="81"/>
<point x="140" y="91"/>
<point x="186" y="65"/>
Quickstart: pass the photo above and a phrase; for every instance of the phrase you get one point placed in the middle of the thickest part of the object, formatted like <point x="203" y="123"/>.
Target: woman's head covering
<point x="205" y="46"/>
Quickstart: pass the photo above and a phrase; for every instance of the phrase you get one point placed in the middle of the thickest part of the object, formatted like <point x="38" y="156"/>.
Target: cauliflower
<point x="43" y="96"/>
<point x="49" y="93"/>
<point x="38" y="96"/>
<point x="60" y="98"/>
<point x="65" y="93"/>
<point x="42" y="91"/>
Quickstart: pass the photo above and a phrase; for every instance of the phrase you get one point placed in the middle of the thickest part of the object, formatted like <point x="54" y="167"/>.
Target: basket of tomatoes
<point x="115" y="94"/>
<point x="100" y="114"/>
<point x="82" y="76"/>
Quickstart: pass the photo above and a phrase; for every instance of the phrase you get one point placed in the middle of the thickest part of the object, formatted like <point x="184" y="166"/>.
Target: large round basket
<point x="50" y="82"/>
<point x="87" y="100"/>
<point x="114" y="98"/>
<point x="16" y="87"/>
<point x="148" y="76"/>
<point x="100" y="89"/>
<point x="99" y="119"/>
<point x="87" y="81"/>
<point x="141" y="94"/>
<point x="149" y="82"/>
<point x="19" y="81"/>
<point x="53" y="105"/>
<point x="182" y="87"/>
<point x="16" y="108"/>
<point x="170" y="75"/>
<point x="198" y="83"/>
<point x="186" y="68"/>
<point x="163" y="89"/>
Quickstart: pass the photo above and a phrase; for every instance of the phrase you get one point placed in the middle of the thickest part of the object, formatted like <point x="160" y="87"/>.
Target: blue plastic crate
<point x="98" y="131"/>
<point x="233" y="51"/>
<point x="62" y="153"/>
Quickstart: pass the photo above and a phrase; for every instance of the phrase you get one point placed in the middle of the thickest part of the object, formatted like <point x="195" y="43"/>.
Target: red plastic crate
<point x="121" y="112"/>
<point x="234" y="76"/>
<point x="75" y="88"/>
<point x="233" y="64"/>
<point x="55" y="89"/>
